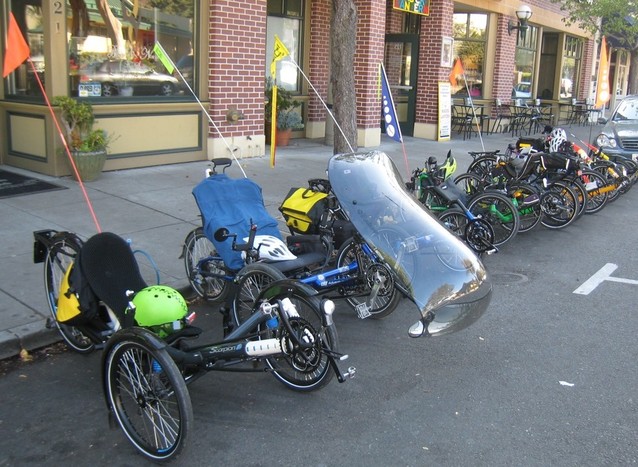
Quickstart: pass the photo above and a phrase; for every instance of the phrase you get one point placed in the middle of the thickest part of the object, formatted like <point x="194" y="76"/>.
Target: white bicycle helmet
<point x="272" y="248"/>
<point x="556" y="139"/>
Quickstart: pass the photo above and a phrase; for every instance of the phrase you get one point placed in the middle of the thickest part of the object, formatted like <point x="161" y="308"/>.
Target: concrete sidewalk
<point x="154" y="208"/>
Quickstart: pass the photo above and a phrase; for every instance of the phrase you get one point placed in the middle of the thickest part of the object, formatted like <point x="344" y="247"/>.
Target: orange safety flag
<point x="17" y="50"/>
<point x="457" y="70"/>
<point x="602" y="82"/>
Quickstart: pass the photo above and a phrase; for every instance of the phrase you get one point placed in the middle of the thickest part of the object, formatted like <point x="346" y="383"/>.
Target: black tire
<point x="167" y="89"/>
<point x="581" y="192"/>
<point x="560" y="206"/>
<point x="470" y="183"/>
<point x="596" y="200"/>
<point x="251" y="281"/>
<point x="613" y="177"/>
<point x="482" y="166"/>
<point x="309" y="369"/>
<point x="499" y="211"/>
<point x="204" y="275"/>
<point x="298" y="369"/>
<point x="372" y="274"/>
<point x="456" y="221"/>
<point x="147" y="394"/>
<point x="108" y="90"/>
<point x="64" y="248"/>
<point x="528" y="205"/>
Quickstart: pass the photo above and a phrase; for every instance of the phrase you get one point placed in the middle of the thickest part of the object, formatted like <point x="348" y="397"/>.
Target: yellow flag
<point x="273" y="127"/>
<point x="280" y="52"/>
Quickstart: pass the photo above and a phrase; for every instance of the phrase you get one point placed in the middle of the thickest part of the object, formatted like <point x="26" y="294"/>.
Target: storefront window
<point x="112" y="47"/>
<point x="571" y="67"/>
<point x="470" y="36"/>
<point x="523" y="84"/>
<point x="285" y="19"/>
<point x="23" y="81"/>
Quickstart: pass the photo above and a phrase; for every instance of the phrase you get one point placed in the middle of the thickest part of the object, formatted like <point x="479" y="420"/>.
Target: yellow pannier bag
<point x="68" y="304"/>
<point x="302" y="209"/>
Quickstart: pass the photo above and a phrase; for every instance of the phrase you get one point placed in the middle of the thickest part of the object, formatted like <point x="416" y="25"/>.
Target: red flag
<point x="456" y="71"/>
<point x="602" y="82"/>
<point x="17" y="50"/>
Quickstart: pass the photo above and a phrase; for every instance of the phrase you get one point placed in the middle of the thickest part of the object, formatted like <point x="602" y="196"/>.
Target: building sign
<point x="421" y="7"/>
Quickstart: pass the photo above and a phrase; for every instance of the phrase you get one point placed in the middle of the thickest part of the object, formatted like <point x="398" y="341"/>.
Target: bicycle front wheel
<point x="204" y="268"/>
<point x="305" y="368"/>
<point x="499" y="211"/>
<point x="252" y="280"/>
<point x="371" y="276"/>
<point x="60" y="255"/>
<point x="147" y="394"/>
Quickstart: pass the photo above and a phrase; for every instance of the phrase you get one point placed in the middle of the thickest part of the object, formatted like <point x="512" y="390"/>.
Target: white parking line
<point x="603" y="274"/>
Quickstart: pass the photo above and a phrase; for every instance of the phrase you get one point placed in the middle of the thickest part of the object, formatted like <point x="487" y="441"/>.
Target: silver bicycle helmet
<point x="272" y="248"/>
<point x="556" y="139"/>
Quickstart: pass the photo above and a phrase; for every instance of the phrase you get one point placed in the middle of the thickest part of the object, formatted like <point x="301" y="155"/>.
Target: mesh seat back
<point x="110" y="267"/>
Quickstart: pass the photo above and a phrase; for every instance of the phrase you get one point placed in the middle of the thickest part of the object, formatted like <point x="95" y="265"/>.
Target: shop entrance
<point x="401" y="65"/>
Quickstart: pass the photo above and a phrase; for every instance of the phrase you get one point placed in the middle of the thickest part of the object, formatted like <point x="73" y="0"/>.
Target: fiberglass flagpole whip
<point x="163" y="57"/>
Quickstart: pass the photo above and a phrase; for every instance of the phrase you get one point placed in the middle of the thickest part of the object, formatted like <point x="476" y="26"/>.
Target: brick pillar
<point x="236" y="65"/>
<point x="369" y="54"/>
<point x="433" y="28"/>
<point x="319" y="64"/>
<point x="587" y="65"/>
<point x="504" y="61"/>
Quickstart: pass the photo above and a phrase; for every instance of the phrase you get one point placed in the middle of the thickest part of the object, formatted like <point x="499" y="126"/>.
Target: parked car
<point x="522" y="90"/>
<point x="185" y="67"/>
<point x="115" y="76"/>
<point x="619" y="136"/>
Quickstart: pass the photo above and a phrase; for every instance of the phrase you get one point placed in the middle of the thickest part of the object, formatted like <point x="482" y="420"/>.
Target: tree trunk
<point x="633" y="72"/>
<point x="343" y="31"/>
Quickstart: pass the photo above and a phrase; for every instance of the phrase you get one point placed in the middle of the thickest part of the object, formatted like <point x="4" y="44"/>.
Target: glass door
<point x="401" y="64"/>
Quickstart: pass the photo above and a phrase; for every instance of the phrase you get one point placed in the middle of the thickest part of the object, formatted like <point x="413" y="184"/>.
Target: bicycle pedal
<point x="350" y="373"/>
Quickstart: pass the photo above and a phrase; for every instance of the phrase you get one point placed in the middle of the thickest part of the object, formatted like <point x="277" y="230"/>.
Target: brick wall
<point x="319" y="57"/>
<point x="504" y="61"/>
<point x="433" y="28"/>
<point x="368" y="56"/>
<point x="236" y="38"/>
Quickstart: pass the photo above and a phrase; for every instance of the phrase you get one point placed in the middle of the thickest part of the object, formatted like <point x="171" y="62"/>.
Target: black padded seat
<point x="109" y="265"/>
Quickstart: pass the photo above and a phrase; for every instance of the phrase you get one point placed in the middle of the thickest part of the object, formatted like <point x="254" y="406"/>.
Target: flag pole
<point x="164" y="58"/>
<point x="66" y="148"/>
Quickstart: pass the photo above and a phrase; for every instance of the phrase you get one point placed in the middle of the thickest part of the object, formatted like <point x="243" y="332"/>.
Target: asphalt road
<point x="546" y="377"/>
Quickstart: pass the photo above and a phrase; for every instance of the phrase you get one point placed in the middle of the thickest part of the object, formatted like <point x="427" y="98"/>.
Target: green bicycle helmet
<point x="160" y="308"/>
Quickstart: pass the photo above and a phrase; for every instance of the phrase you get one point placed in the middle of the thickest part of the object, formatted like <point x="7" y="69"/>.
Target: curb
<point x="35" y="335"/>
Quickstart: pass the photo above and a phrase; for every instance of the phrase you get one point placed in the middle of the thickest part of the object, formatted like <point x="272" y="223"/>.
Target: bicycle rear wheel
<point x="204" y="268"/>
<point x="60" y="255"/>
<point x="147" y="394"/>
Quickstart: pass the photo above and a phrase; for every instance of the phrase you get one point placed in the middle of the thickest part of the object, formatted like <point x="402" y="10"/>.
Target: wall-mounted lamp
<point x="524" y="13"/>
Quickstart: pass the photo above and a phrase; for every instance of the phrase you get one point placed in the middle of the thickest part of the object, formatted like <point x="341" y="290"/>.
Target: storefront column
<point x="319" y="64"/>
<point x="368" y="56"/>
<point x="433" y="29"/>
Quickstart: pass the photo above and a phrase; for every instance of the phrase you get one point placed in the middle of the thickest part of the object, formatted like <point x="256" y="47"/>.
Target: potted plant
<point x="287" y="118"/>
<point x="287" y="121"/>
<point x="88" y="145"/>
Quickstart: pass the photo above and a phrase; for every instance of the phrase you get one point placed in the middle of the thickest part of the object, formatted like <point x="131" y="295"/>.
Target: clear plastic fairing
<point x="445" y="279"/>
